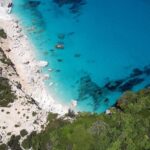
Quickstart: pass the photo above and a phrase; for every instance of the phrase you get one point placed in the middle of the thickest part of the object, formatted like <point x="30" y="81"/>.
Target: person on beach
<point x="10" y="5"/>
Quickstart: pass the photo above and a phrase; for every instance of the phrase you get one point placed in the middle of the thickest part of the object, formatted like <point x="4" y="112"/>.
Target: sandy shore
<point x="29" y="69"/>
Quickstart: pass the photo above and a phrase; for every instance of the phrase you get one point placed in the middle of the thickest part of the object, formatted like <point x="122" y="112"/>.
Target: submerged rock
<point x="75" y="4"/>
<point x="136" y="72"/>
<point x="77" y="55"/>
<point x="58" y="70"/>
<point x="130" y="84"/>
<point x="63" y="2"/>
<point x="106" y="100"/>
<point x="147" y="70"/>
<point x="61" y="36"/>
<point x="88" y="88"/>
<point x="34" y="3"/>
<point x="113" y="85"/>
<point x="60" y="60"/>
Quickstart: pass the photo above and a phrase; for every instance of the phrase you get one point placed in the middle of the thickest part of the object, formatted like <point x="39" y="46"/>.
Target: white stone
<point x="73" y="103"/>
<point x="43" y="63"/>
<point x="108" y="112"/>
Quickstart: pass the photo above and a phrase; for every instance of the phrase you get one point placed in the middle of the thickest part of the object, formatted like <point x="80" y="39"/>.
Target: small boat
<point x="59" y="46"/>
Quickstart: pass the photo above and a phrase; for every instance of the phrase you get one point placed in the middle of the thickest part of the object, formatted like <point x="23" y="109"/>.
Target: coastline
<point x="25" y="101"/>
<point x="29" y="69"/>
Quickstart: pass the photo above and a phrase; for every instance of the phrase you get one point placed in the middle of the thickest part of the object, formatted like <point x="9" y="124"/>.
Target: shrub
<point x="6" y="94"/>
<point x="5" y="60"/>
<point x="23" y="132"/>
<point x="34" y="113"/>
<point x="27" y="143"/>
<point x="3" y="34"/>
<point x="13" y="143"/>
<point x="3" y="147"/>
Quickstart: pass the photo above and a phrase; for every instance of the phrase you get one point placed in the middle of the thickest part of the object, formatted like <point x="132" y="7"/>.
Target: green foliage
<point x="14" y="143"/>
<point x="3" y="34"/>
<point x="34" y="113"/>
<point x="122" y="130"/>
<point x="23" y="132"/>
<point x="4" y="59"/>
<point x="28" y="141"/>
<point x="6" y="94"/>
<point x="3" y="147"/>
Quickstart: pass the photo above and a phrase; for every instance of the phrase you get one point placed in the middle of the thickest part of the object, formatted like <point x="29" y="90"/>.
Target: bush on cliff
<point x="3" y="34"/>
<point x="6" y="94"/>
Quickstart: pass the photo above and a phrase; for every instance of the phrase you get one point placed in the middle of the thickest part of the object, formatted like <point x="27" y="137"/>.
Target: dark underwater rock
<point x="106" y="100"/>
<point x="136" y="72"/>
<point x="74" y="8"/>
<point x="61" y="36"/>
<point x="147" y="86"/>
<point x="113" y="85"/>
<point x="63" y="2"/>
<point x="147" y="70"/>
<point x="58" y="70"/>
<point x="60" y="60"/>
<point x="88" y="88"/>
<point x="77" y="55"/>
<point x="75" y="4"/>
<point x="130" y="84"/>
<point x="34" y="3"/>
<point x="71" y="33"/>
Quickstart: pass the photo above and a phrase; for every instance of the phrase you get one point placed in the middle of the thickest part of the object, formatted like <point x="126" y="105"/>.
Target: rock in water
<point x="43" y="63"/>
<point x="34" y="3"/>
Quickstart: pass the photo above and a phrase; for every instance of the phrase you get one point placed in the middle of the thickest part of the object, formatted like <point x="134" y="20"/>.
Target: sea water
<point x="105" y="47"/>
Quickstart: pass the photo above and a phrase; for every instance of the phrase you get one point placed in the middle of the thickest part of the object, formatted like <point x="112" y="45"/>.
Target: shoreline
<point x="29" y="69"/>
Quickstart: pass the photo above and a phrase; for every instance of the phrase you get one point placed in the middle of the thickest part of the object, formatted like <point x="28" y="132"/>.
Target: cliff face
<point x="18" y="111"/>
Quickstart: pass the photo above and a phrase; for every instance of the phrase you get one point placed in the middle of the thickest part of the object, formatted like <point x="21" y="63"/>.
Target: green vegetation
<point x="3" y="34"/>
<point x="27" y="142"/>
<point x="14" y="143"/>
<point x="4" y="59"/>
<point x="3" y="147"/>
<point x="6" y="94"/>
<point x="127" y="128"/>
<point x="34" y="113"/>
<point x="23" y="132"/>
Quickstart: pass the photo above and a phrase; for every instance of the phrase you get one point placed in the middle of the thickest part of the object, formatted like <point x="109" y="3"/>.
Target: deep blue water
<point x="106" y="47"/>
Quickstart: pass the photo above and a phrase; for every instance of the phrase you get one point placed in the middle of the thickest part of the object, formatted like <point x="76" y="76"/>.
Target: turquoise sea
<point x="105" y="47"/>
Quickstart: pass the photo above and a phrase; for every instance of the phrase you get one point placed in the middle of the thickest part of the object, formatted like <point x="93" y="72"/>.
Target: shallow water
<point x="104" y="41"/>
